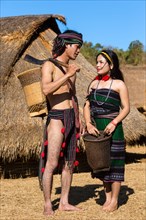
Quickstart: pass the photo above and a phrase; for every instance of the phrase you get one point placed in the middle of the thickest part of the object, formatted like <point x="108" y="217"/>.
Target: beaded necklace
<point x="101" y="103"/>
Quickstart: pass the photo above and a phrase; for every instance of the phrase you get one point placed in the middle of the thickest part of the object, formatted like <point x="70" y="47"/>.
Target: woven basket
<point x="35" y="99"/>
<point x="98" y="151"/>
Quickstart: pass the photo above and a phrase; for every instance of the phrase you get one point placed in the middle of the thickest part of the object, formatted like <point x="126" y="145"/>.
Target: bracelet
<point x="114" y="123"/>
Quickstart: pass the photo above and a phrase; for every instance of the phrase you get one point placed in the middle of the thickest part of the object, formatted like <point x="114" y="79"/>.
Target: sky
<point x="112" y="23"/>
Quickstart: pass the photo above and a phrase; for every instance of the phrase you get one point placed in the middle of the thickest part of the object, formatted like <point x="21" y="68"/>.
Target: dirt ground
<point x="21" y="199"/>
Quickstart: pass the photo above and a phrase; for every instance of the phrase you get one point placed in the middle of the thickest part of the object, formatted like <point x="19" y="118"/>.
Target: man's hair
<point x="67" y="37"/>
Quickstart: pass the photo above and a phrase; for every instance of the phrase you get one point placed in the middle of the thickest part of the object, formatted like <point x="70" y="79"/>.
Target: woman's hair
<point x="112" y="58"/>
<point x="67" y="37"/>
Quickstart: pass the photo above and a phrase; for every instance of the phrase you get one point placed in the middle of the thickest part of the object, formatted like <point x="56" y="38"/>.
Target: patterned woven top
<point x="101" y="105"/>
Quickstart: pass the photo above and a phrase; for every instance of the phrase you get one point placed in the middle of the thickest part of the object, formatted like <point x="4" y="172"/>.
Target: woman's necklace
<point x="101" y="103"/>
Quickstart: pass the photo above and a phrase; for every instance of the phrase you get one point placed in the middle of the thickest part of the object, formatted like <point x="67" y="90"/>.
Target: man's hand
<point x="72" y="69"/>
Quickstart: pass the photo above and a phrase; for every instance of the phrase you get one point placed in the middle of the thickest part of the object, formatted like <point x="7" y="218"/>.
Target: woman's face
<point x="102" y="65"/>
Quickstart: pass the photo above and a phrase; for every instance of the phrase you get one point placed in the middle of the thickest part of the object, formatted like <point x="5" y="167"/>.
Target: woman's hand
<point x="109" y="128"/>
<point x="91" y="129"/>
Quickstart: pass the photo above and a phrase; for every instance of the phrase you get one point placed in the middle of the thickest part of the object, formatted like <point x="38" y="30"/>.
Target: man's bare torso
<point x="61" y="98"/>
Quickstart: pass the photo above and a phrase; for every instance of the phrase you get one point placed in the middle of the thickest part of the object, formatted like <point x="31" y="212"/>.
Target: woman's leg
<point x="108" y="194"/>
<point x="116" y="186"/>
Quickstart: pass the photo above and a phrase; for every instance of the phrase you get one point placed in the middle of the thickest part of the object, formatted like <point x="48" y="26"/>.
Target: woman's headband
<point x="107" y="56"/>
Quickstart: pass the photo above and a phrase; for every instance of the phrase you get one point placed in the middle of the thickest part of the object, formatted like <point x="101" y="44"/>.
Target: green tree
<point x="98" y="47"/>
<point x="134" y="55"/>
<point x="135" y="52"/>
<point x="121" y="55"/>
<point x="89" y="51"/>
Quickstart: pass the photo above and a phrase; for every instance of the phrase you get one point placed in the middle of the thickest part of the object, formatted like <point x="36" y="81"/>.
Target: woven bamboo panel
<point x="35" y="99"/>
<point x="33" y="94"/>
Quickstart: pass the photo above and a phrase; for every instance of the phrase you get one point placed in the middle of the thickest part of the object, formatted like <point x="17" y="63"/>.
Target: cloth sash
<point x="73" y="96"/>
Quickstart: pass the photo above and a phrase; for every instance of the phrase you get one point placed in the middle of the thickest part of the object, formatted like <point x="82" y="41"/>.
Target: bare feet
<point x="68" y="207"/>
<point x="48" y="209"/>
<point x="106" y="204"/>
<point x="111" y="207"/>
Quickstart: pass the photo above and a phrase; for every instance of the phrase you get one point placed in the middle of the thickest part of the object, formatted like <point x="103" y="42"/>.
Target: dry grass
<point x="21" y="199"/>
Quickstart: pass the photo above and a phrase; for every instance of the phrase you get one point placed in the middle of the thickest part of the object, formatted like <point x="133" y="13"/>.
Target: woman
<point x="107" y="104"/>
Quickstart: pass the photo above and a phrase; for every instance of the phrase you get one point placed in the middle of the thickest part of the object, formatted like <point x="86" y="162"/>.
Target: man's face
<point x="73" y="50"/>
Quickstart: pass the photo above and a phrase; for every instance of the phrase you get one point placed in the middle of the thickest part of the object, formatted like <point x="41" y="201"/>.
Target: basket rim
<point x="95" y="138"/>
<point x="26" y="71"/>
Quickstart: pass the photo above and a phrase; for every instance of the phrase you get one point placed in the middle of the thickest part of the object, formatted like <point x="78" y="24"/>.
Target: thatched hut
<point x="21" y="135"/>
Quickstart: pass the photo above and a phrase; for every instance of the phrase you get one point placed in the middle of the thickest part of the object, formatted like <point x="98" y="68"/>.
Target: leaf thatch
<point x="135" y="127"/>
<point x="16" y="34"/>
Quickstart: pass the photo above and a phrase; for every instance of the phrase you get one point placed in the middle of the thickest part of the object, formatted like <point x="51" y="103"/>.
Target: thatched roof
<point x="16" y="34"/>
<point x="135" y="127"/>
<point x="21" y="136"/>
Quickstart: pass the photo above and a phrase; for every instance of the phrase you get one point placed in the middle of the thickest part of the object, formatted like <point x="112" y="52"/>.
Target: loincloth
<point x="68" y="148"/>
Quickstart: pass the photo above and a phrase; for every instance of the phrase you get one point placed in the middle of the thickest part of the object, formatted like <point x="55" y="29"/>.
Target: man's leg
<point x="55" y="138"/>
<point x="66" y="180"/>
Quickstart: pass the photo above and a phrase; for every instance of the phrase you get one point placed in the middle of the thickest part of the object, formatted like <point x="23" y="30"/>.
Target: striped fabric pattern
<point x="102" y="115"/>
<point x="67" y="117"/>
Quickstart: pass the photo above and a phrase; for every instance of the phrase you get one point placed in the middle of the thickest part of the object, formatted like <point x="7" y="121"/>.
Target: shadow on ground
<point x="79" y="194"/>
<point x="82" y="194"/>
<point x="135" y="157"/>
<point x="125" y="192"/>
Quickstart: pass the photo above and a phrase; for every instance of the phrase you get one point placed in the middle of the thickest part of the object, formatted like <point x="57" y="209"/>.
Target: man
<point x="58" y="84"/>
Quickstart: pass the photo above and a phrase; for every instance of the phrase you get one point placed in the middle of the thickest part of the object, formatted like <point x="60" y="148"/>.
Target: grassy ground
<point x="21" y="199"/>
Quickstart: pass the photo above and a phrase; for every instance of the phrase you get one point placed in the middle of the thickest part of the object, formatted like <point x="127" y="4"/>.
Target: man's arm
<point x="50" y="86"/>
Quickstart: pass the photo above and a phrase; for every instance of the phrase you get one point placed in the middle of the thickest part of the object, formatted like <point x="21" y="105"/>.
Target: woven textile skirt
<point x="117" y="153"/>
<point x="68" y="148"/>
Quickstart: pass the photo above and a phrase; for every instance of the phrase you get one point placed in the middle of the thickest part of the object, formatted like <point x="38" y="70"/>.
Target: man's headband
<point x="107" y="56"/>
<point x="72" y="38"/>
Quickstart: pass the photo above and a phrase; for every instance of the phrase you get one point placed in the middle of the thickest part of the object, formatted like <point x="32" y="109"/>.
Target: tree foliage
<point x="89" y="51"/>
<point x="135" y="52"/>
<point x="134" y="55"/>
